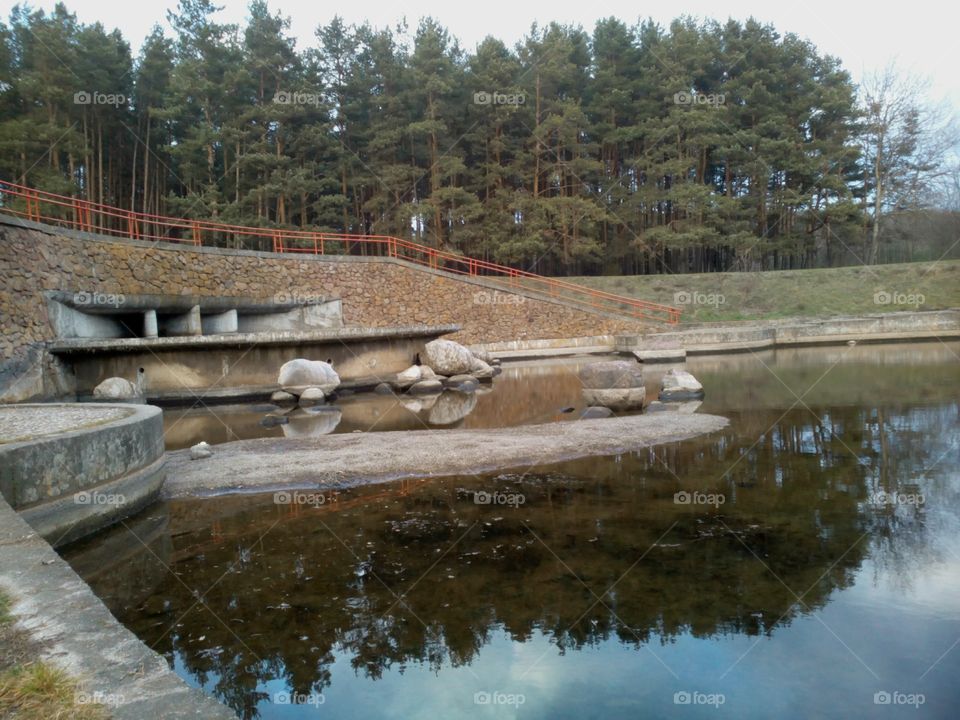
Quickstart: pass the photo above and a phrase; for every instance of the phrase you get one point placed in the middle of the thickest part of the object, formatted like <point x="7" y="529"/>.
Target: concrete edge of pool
<point x="79" y="634"/>
<point x="337" y="461"/>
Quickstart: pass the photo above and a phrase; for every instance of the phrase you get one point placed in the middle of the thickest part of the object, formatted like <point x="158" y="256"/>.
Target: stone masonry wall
<point x="374" y="293"/>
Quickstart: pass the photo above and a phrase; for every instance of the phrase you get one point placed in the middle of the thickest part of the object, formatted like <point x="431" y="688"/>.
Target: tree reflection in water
<point x="417" y="572"/>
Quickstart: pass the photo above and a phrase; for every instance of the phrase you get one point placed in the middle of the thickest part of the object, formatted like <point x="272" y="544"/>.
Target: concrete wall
<point x="70" y="483"/>
<point x="375" y="292"/>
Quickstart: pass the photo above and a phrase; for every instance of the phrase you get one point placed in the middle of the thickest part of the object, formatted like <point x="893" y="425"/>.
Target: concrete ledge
<point x="77" y="468"/>
<point x="715" y="339"/>
<point x="79" y="635"/>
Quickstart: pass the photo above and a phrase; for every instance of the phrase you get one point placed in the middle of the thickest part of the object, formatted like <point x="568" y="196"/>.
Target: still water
<point x="804" y="562"/>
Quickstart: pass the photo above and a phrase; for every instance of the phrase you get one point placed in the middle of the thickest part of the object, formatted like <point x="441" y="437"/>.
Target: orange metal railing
<point x="79" y="214"/>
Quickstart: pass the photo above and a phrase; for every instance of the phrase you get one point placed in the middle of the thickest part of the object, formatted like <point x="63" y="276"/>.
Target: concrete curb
<point x="79" y="635"/>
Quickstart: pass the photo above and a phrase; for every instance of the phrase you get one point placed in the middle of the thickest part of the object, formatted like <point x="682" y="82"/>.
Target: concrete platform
<point x="71" y="469"/>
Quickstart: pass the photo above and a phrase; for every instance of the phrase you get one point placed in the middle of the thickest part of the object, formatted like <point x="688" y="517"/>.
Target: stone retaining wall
<point x="376" y="292"/>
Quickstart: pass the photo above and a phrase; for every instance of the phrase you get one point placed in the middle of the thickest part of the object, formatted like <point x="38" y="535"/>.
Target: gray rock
<point x="483" y="355"/>
<point x="612" y="374"/>
<point x="593" y="412"/>
<point x="383" y="389"/>
<point x="115" y="388"/>
<point x="480" y="370"/>
<point x="687" y="407"/>
<point x="451" y="407"/>
<point x="463" y="383"/>
<point x="426" y="387"/>
<point x="300" y="374"/>
<point x="616" y="398"/>
<point x="680" y="385"/>
<point x="410" y="376"/>
<point x="200" y="451"/>
<point x="282" y="397"/>
<point x="447" y="357"/>
<point x="312" y="396"/>
<point x="427" y="373"/>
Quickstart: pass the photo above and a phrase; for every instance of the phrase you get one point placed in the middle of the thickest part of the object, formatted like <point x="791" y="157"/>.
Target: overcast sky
<point x="922" y="38"/>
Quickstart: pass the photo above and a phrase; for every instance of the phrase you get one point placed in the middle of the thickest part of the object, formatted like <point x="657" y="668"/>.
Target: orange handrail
<point x="89" y="216"/>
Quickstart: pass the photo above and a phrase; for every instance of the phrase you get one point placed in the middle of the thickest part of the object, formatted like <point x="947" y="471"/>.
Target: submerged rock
<point x="312" y="424"/>
<point x="427" y="387"/>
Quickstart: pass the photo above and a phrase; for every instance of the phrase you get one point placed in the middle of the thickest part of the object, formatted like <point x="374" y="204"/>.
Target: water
<point x="822" y="569"/>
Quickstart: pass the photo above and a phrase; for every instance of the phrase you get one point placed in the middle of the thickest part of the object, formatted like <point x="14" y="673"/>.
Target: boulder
<point x="383" y="389"/>
<point x="615" y="384"/>
<point x="410" y="376"/>
<point x="312" y="396"/>
<point x="480" y="370"/>
<point x="447" y="357"/>
<point x="281" y="398"/>
<point x="300" y="374"/>
<point x="200" y="451"/>
<point x="451" y="407"/>
<point x="115" y="388"/>
<point x="680" y="385"/>
<point x="426" y="387"/>
<point x="616" y="398"/>
<point x="483" y="355"/>
<point x="612" y="374"/>
<point x="427" y="373"/>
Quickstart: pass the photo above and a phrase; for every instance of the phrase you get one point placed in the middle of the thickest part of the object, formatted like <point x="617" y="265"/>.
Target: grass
<point x="713" y="297"/>
<point x="31" y="689"/>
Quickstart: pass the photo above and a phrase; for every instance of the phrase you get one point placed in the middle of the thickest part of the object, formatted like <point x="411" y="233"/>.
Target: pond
<point x="804" y="562"/>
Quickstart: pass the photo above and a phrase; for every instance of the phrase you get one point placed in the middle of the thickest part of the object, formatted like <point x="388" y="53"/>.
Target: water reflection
<point x="598" y="556"/>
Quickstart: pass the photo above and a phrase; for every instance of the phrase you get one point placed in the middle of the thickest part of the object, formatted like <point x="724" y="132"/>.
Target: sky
<point x="921" y="39"/>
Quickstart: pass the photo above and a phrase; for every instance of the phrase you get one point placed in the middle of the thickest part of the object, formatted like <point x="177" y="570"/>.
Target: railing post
<point x="314" y="243"/>
<point x="196" y="233"/>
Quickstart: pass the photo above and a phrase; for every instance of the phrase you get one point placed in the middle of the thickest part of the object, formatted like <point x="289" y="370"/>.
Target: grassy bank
<point x="31" y="689"/>
<point x="795" y="293"/>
